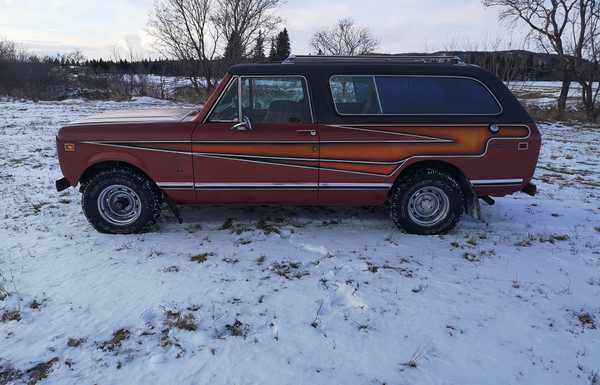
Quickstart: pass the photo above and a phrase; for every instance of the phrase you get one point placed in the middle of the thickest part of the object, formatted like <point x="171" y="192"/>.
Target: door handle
<point x="307" y="132"/>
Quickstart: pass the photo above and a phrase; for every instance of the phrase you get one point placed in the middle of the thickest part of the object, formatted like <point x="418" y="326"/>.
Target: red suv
<point x="428" y="135"/>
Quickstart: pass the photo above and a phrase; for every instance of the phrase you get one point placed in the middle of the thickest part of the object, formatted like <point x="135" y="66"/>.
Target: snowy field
<point x="543" y="94"/>
<point x="296" y="295"/>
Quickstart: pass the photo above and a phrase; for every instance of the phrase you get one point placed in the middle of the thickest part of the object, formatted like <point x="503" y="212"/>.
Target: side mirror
<point x="244" y="125"/>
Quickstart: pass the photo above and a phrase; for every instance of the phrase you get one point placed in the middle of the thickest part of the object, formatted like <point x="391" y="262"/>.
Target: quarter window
<point x="227" y="110"/>
<point x="355" y="95"/>
<point x="275" y="100"/>
<point x="414" y="95"/>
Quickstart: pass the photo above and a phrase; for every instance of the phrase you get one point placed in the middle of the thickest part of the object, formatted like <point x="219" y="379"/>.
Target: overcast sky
<point x="96" y="26"/>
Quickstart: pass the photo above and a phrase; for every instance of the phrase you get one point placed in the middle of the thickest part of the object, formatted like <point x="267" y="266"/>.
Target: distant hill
<point x="510" y="65"/>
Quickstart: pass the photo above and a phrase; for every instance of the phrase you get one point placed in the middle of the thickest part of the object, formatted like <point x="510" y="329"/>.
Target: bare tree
<point x="345" y="39"/>
<point x="240" y="21"/>
<point x="585" y="48"/>
<point x="11" y="51"/>
<point x="184" y="31"/>
<point x="548" y="21"/>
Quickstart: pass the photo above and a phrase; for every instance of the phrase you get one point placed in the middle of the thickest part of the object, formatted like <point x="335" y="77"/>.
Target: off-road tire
<point x="149" y="200"/>
<point x="417" y="180"/>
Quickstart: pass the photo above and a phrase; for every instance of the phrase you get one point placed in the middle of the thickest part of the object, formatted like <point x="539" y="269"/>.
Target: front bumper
<point x="62" y="184"/>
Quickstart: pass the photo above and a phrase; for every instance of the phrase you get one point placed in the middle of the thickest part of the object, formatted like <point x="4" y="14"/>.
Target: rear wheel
<point x="427" y="202"/>
<point x="120" y="201"/>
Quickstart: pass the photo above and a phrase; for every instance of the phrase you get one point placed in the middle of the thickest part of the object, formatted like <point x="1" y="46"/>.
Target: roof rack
<point x="407" y="59"/>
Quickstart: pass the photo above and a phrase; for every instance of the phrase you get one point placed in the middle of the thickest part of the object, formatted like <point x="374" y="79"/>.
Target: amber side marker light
<point x="70" y="147"/>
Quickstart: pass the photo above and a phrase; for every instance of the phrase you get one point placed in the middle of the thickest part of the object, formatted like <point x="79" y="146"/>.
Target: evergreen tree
<point x="233" y="51"/>
<point x="259" y="49"/>
<point x="283" y="45"/>
<point x="273" y="51"/>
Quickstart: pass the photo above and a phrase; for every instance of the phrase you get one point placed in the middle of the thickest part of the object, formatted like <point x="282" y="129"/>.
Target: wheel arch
<point x="104" y="165"/>
<point x="471" y="199"/>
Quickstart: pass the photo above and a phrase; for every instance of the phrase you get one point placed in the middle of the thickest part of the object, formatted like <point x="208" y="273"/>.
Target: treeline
<point x="23" y="75"/>
<point x="67" y="76"/>
<point x="29" y="76"/>
<point x="514" y="64"/>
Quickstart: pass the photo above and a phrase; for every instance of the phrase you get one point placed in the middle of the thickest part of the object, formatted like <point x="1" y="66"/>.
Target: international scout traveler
<point x="428" y="136"/>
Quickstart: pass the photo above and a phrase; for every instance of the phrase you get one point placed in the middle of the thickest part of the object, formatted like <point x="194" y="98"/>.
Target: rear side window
<point x="355" y="95"/>
<point x="417" y="95"/>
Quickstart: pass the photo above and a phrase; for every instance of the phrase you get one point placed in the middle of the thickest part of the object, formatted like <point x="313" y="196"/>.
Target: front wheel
<point x="120" y="201"/>
<point x="427" y="202"/>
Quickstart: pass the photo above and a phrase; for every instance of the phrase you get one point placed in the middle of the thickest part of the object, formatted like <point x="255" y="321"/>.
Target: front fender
<point x="75" y="167"/>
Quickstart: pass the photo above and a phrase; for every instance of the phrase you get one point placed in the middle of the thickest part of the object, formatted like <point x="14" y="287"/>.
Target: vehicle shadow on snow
<point x="298" y="216"/>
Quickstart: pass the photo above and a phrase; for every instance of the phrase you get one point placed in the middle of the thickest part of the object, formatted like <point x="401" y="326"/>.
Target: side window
<point x="411" y="95"/>
<point x="355" y="95"/>
<point x="423" y="95"/>
<point x="227" y="110"/>
<point x="275" y="100"/>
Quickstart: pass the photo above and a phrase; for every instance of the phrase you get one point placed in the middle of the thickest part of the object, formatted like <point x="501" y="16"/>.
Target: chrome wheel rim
<point x="428" y="206"/>
<point x="119" y="205"/>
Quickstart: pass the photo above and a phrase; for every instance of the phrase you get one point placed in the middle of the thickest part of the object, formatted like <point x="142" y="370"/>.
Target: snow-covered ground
<point x="544" y="94"/>
<point x="296" y="295"/>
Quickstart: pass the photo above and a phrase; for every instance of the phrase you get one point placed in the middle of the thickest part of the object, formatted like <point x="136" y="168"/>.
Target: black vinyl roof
<point x="373" y="68"/>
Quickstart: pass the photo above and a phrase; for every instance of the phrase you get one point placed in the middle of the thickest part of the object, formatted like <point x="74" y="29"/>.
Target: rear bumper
<point x="62" y="184"/>
<point x="530" y="189"/>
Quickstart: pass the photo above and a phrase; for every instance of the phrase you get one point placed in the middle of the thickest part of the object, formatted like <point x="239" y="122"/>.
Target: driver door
<point x="259" y="144"/>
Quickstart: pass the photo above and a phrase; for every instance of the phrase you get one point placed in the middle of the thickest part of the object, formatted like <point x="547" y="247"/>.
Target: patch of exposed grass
<point x="40" y="371"/>
<point x="472" y="241"/>
<point x="586" y="320"/>
<point x="267" y="228"/>
<point x="594" y="378"/>
<point x="201" y="258"/>
<point x="116" y="341"/>
<point x="10" y="315"/>
<point x="176" y="319"/>
<point x="554" y="238"/>
<point x="75" y="342"/>
<point x="413" y="362"/>
<point x="452" y="330"/>
<point x="37" y="206"/>
<point x="471" y="257"/>
<point x="9" y="375"/>
<point x="3" y="293"/>
<point x="237" y="329"/>
<point x="37" y="305"/>
<point x="288" y="270"/>
<point x="524" y="243"/>
<point x="405" y="272"/>
<point x="372" y="268"/>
